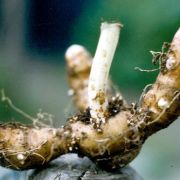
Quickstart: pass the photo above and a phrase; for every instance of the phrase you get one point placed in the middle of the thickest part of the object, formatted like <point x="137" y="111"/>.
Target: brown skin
<point x="118" y="141"/>
<point x="78" y="68"/>
<point x="25" y="147"/>
<point x="167" y="87"/>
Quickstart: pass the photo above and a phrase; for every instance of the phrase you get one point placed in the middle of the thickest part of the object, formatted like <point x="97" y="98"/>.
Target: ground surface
<point x="72" y="167"/>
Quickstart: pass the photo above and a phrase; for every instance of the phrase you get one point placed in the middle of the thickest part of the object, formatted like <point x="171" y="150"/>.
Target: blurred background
<point x="34" y="36"/>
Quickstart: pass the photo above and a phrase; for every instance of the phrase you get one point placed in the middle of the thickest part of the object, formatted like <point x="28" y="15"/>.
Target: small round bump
<point x="170" y="63"/>
<point x="162" y="103"/>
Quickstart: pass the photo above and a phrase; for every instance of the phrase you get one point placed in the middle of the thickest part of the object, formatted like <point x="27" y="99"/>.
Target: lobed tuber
<point x="112" y="143"/>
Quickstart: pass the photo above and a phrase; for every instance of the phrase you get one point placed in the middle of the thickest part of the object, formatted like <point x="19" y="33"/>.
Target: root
<point x="144" y="92"/>
<point x="146" y="70"/>
<point x="43" y="119"/>
<point x="6" y="99"/>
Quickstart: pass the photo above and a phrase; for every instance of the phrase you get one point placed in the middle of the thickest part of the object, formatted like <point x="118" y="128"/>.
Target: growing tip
<point x="74" y="50"/>
<point x="106" y="25"/>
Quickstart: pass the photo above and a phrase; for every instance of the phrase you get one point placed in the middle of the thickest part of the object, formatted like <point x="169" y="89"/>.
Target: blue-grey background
<point x="34" y="36"/>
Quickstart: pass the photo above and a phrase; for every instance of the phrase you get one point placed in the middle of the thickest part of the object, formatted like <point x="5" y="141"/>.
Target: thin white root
<point x="43" y="119"/>
<point x="100" y="70"/>
<point x="146" y="70"/>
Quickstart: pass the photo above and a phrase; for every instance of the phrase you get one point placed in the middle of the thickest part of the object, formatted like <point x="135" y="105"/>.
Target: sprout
<point x="100" y="71"/>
